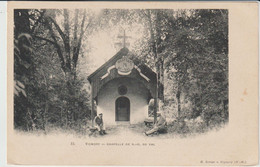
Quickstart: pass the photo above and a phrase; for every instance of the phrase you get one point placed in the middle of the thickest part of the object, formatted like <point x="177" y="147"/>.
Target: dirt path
<point x="124" y="133"/>
<point x="121" y="132"/>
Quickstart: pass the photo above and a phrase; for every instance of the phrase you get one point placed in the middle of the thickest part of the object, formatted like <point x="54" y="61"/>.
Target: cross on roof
<point x="124" y="37"/>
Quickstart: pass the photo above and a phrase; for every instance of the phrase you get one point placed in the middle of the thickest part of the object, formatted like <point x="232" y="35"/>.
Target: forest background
<point x="55" y="51"/>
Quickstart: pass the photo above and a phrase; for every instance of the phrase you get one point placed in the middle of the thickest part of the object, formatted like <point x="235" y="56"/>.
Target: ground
<point x="121" y="132"/>
<point x="133" y="131"/>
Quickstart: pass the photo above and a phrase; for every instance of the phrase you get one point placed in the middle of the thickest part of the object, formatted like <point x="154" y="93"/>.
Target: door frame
<point x="128" y="108"/>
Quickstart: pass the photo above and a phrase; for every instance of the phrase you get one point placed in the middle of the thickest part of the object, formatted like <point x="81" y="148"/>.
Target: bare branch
<point x="58" y="28"/>
<point x="67" y="38"/>
<point x="82" y="31"/>
<point x="58" y="48"/>
<point x="45" y="39"/>
<point x="76" y="28"/>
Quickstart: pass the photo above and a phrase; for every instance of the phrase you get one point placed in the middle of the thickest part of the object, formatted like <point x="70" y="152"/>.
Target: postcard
<point x="133" y="83"/>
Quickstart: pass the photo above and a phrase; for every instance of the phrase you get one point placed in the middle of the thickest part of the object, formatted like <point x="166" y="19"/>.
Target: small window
<point x="122" y="90"/>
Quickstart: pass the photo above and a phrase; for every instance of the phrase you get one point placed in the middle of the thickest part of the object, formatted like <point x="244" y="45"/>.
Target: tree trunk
<point x="200" y="95"/>
<point x="161" y="81"/>
<point x="156" y="102"/>
<point x="68" y="53"/>
<point x="67" y="39"/>
<point x="178" y="96"/>
<point x="46" y="100"/>
<point x="153" y="33"/>
<point x="45" y="115"/>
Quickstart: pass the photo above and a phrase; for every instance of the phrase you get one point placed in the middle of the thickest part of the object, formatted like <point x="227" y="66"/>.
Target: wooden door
<point x="122" y="109"/>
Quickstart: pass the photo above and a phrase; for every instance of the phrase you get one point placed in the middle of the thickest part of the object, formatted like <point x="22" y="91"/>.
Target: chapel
<point x="121" y="89"/>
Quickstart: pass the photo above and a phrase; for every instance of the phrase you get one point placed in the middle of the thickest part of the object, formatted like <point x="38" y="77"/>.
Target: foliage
<point x="188" y="49"/>
<point x="198" y="53"/>
<point x="47" y="90"/>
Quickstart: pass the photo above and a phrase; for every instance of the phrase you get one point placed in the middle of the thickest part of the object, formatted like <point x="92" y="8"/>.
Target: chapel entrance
<point x="122" y="109"/>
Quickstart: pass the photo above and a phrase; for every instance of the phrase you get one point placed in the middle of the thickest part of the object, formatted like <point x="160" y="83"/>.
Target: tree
<point x="187" y="48"/>
<point x="67" y="41"/>
<point x="22" y="67"/>
<point x="47" y="88"/>
<point x="199" y="55"/>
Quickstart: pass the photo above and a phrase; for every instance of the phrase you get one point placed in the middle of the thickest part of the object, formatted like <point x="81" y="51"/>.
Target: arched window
<point x="122" y="90"/>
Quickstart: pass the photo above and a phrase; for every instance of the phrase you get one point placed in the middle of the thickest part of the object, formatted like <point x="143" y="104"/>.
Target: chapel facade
<point x="121" y="89"/>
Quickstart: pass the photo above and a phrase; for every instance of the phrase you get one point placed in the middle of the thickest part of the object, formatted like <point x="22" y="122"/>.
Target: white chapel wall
<point x="136" y="93"/>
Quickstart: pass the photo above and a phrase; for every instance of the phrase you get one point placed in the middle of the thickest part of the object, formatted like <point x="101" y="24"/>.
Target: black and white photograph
<point x="150" y="72"/>
<point x="131" y="78"/>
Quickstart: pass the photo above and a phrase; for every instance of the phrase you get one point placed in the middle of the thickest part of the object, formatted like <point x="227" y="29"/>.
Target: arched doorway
<point x="122" y="109"/>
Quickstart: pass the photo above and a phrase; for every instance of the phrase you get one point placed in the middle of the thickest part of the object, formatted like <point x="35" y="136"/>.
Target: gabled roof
<point x="124" y="51"/>
<point x="138" y="73"/>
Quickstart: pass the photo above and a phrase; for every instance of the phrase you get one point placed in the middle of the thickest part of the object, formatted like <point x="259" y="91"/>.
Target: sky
<point x="100" y="45"/>
<point x="103" y="44"/>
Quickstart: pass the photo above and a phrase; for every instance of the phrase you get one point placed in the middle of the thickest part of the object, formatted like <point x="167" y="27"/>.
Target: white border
<point x="3" y="81"/>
